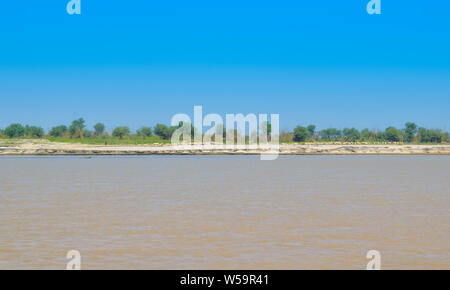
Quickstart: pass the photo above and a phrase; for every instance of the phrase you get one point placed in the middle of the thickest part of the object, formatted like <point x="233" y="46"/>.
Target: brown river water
<point x="225" y="212"/>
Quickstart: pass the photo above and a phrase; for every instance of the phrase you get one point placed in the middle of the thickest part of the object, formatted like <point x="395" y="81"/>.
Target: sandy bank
<point x="43" y="147"/>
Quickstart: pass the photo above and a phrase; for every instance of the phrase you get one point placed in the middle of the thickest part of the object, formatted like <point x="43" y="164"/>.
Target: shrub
<point x="352" y="134"/>
<point x="144" y="132"/>
<point x="286" y="137"/>
<point x="301" y="134"/>
<point x="366" y="134"/>
<point x="15" y="130"/>
<point x="58" y="131"/>
<point x="392" y="134"/>
<point x="33" y="131"/>
<point x="329" y="133"/>
<point x="121" y="132"/>
<point x="87" y="134"/>
<point x="431" y="136"/>
<point x="163" y="131"/>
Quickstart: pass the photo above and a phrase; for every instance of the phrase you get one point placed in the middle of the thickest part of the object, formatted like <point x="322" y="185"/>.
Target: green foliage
<point x="34" y="132"/>
<point x="76" y="129"/>
<point x="163" y="131"/>
<point x="392" y="134"/>
<point x="410" y="131"/>
<point x="366" y="134"/>
<point x="121" y="132"/>
<point x="144" y="132"/>
<point x="312" y="130"/>
<point x="431" y="136"/>
<point x="330" y="133"/>
<point x="99" y="128"/>
<point x="87" y="134"/>
<point x="77" y="133"/>
<point x="59" y="131"/>
<point x="352" y="134"/>
<point x="301" y="134"/>
<point x="15" y="131"/>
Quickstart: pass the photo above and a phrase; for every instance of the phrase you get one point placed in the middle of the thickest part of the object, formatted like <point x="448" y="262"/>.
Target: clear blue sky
<point x="139" y="62"/>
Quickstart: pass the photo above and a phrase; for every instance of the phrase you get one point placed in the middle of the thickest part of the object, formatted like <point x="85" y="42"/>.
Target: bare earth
<point x="44" y="147"/>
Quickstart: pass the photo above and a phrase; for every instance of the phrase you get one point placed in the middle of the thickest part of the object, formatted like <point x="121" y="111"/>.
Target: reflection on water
<point x="236" y="212"/>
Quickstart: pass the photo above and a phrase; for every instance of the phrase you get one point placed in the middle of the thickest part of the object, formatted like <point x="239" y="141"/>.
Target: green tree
<point x="392" y="134"/>
<point x="99" y="128"/>
<point x="431" y="136"/>
<point x="121" y="132"/>
<point x="163" y="131"/>
<point x="330" y="133"/>
<point x="410" y="131"/>
<point x="352" y="134"/>
<point x="422" y="135"/>
<point x="14" y="131"/>
<point x="77" y="127"/>
<point x="87" y="134"/>
<point x="33" y="131"/>
<point x="366" y="134"/>
<point x="312" y="130"/>
<point x="436" y="136"/>
<point x="301" y="134"/>
<point x="58" y="131"/>
<point x="144" y="132"/>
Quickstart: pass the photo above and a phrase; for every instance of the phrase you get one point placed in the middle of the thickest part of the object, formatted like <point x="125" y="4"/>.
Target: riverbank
<point x="44" y="147"/>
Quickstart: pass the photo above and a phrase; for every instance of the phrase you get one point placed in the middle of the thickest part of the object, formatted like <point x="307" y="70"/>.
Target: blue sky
<point x="139" y="62"/>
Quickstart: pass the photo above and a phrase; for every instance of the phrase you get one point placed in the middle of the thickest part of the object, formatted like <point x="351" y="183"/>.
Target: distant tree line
<point x="411" y="133"/>
<point x="77" y="130"/>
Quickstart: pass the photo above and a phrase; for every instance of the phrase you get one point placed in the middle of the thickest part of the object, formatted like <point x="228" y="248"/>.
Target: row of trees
<point x="17" y="130"/>
<point x="411" y="133"/>
<point x="78" y="130"/>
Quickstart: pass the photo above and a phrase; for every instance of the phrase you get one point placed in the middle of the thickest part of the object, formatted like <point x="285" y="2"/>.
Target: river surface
<point x="225" y="212"/>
